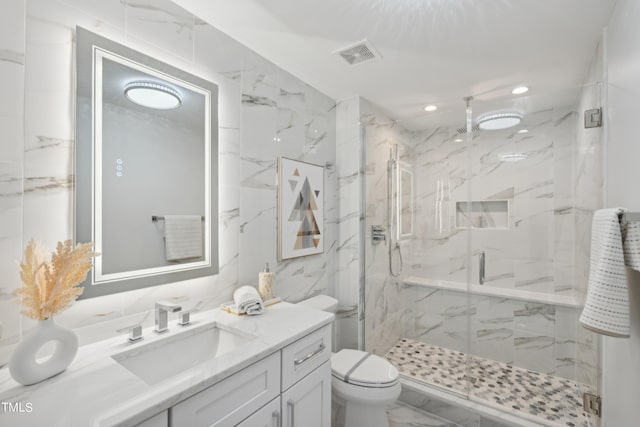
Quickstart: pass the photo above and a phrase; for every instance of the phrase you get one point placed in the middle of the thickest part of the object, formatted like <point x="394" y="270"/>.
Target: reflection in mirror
<point x="146" y="168"/>
<point x="406" y="201"/>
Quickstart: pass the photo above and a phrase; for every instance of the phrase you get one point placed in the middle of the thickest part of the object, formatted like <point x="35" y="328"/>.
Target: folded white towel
<point x="631" y="244"/>
<point x="606" y="310"/>
<point x="248" y="300"/>
<point x="182" y="237"/>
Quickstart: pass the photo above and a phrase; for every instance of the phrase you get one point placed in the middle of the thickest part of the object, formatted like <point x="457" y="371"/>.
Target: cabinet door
<point x="308" y="403"/>
<point x="158" y="420"/>
<point x="232" y="400"/>
<point x="268" y="416"/>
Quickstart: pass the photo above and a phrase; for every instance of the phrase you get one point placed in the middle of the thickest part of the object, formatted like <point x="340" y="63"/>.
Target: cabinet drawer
<point x="229" y="401"/>
<point x="268" y="416"/>
<point x="304" y="355"/>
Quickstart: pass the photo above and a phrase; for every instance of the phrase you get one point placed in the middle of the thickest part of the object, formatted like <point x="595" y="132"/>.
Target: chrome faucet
<point x="162" y="315"/>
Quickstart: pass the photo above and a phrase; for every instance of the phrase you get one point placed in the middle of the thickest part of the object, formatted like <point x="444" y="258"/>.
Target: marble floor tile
<point x="554" y="401"/>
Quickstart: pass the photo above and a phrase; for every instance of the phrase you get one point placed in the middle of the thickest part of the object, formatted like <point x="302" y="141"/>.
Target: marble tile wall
<point x="535" y="336"/>
<point x="257" y="102"/>
<point x="350" y="175"/>
<point x="12" y="48"/>
<point x="383" y="293"/>
<point x="533" y="253"/>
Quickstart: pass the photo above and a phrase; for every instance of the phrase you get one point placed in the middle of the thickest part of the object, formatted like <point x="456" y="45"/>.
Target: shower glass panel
<point x="515" y="204"/>
<point x="526" y="340"/>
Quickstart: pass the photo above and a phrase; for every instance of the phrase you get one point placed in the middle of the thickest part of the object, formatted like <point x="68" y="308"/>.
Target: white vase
<point x="23" y="366"/>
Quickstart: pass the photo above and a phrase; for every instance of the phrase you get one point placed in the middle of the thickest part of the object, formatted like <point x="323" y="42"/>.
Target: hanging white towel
<point x="182" y="237"/>
<point x="248" y="300"/>
<point x="631" y="244"/>
<point x="606" y="310"/>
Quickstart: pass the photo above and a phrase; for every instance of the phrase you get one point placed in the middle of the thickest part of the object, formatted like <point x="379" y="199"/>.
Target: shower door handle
<point x="481" y="267"/>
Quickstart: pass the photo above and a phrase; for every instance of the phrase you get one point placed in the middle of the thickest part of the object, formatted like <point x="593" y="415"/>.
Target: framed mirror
<point x="146" y="168"/>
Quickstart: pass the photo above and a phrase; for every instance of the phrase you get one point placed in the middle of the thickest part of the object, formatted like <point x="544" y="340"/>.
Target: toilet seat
<point x="363" y="369"/>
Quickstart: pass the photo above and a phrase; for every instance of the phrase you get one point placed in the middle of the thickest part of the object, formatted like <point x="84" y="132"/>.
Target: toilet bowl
<point x="362" y="384"/>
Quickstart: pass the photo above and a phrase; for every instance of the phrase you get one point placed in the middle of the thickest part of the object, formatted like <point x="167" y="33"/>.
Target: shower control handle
<point x="378" y="234"/>
<point x="481" y="259"/>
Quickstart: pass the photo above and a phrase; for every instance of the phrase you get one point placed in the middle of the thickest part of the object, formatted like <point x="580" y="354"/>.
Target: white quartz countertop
<point x="97" y="391"/>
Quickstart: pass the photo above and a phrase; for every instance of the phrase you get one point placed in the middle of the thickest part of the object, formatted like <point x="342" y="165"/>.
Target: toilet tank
<point x="321" y="302"/>
<point x="328" y="304"/>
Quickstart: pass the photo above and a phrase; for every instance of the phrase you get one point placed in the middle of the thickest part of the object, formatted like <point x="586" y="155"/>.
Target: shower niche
<point x="493" y="214"/>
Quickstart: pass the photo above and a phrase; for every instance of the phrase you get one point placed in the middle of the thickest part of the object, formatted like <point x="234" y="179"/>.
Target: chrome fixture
<point x="497" y="121"/>
<point x="184" y="318"/>
<point x="377" y="234"/>
<point x="135" y="332"/>
<point x="592" y="404"/>
<point x="153" y="95"/>
<point x="593" y="118"/>
<point x="162" y="315"/>
<point x="156" y="218"/>
<point x="481" y="258"/>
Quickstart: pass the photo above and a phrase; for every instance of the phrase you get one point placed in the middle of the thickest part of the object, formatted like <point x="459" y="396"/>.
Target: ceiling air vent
<point x="358" y="52"/>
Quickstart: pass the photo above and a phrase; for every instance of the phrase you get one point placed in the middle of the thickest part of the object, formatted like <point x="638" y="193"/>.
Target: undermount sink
<point x="166" y="357"/>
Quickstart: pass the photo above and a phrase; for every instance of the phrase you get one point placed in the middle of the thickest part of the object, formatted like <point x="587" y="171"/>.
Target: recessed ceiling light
<point x="430" y="108"/>
<point x="523" y="131"/>
<point x="497" y="121"/>
<point x="457" y="140"/>
<point x="152" y="95"/>
<point x="520" y="90"/>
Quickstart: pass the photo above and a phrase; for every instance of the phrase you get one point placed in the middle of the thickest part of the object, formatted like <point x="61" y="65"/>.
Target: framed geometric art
<point x="300" y="209"/>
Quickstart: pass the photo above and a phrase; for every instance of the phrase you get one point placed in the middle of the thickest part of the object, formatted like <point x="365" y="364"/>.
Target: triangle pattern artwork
<point x="303" y="210"/>
<point x="300" y="209"/>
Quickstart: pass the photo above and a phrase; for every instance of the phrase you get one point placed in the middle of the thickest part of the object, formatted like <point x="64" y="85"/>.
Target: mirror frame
<point x="87" y="225"/>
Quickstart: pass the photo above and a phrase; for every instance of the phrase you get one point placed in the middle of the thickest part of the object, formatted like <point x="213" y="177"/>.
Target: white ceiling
<point x="433" y="51"/>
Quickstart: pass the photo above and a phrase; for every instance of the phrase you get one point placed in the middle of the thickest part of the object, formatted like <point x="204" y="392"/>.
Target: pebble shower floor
<point x="556" y="400"/>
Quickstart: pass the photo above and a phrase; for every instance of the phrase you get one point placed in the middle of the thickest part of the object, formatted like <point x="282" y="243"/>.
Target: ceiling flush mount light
<point x="152" y="95"/>
<point x="497" y="121"/>
<point x="430" y="108"/>
<point x="520" y="90"/>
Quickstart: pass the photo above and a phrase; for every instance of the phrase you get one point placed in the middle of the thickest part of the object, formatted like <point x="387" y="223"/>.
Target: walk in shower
<point x="477" y="289"/>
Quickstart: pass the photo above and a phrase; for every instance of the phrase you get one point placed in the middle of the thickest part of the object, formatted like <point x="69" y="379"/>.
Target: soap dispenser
<point x="266" y="280"/>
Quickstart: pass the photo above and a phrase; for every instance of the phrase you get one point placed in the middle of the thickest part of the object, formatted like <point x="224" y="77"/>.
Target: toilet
<point x="362" y="384"/>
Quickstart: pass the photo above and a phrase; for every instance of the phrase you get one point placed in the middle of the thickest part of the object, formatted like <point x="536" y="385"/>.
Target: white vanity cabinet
<point x="289" y="388"/>
<point x="308" y="402"/>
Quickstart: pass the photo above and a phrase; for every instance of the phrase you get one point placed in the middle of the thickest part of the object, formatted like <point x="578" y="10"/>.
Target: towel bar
<point x="156" y="218"/>
<point x="630" y="216"/>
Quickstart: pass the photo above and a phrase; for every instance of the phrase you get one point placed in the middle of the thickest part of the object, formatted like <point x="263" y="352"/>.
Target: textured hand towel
<point x="606" y="310"/>
<point x="248" y="300"/>
<point x="631" y="244"/>
<point x="182" y="237"/>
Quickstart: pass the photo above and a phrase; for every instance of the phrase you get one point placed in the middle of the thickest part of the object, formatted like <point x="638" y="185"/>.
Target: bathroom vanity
<point x="222" y="370"/>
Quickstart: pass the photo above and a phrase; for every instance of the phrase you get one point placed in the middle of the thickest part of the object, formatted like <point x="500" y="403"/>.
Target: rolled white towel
<point x="248" y="300"/>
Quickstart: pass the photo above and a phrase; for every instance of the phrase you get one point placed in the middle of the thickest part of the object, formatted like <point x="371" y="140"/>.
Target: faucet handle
<point x="135" y="332"/>
<point x="184" y="318"/>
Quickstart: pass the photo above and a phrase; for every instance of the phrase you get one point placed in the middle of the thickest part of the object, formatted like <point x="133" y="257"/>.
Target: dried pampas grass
<point x="49" y="287"/>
